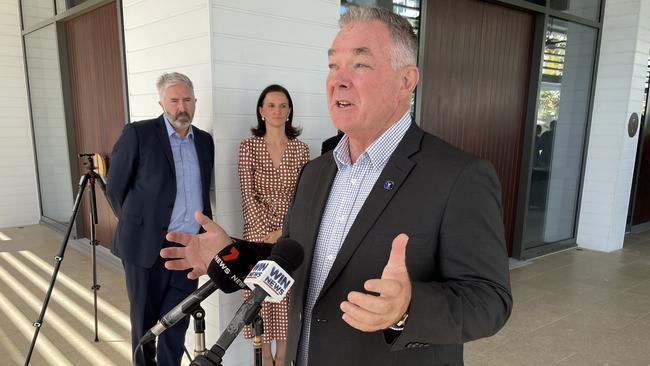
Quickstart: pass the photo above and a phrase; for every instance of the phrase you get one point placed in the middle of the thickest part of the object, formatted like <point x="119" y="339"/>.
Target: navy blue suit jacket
<point x="142" y="187"/>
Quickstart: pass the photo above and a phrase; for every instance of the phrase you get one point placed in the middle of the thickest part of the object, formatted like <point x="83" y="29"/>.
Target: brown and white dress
<point x="266" y="193"/>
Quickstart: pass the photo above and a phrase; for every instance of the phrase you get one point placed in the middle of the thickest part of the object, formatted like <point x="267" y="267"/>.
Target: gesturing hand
<point x="198" y="250"/>
<point x="368" y="312"/>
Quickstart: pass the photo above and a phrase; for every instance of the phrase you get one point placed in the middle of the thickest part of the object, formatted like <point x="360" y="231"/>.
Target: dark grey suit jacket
<point x="449" y="203"/>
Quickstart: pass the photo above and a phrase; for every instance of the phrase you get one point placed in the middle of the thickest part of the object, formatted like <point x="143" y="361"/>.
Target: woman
<point x="269" y="164"/>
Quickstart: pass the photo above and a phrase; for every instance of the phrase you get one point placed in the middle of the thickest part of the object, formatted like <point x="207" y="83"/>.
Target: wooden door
<point x="474" y="89"/>
<point x="96" y="86"/>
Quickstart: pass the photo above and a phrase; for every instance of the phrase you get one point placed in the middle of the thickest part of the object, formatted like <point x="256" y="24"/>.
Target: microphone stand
<point x="258" y="330"/>
<point x="199" y="331"/>
<point x="245" y="315"/>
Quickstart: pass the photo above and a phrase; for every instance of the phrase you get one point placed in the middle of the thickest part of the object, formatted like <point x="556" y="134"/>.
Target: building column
<point x="611" y="151"/>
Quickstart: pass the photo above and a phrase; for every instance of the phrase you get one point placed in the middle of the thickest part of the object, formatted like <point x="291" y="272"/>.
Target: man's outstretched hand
<point x="369" y="312"/>
<point x="197" y="251"/>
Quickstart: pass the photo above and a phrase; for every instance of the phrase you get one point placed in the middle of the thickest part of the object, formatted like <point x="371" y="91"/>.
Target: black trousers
<point x="152" y="293"/>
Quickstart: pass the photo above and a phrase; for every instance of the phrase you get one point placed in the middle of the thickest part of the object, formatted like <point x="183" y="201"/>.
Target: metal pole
<point x="57" y="259"/>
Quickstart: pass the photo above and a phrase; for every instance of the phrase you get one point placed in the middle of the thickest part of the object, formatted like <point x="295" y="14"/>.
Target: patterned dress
<point x="266" y="193"/>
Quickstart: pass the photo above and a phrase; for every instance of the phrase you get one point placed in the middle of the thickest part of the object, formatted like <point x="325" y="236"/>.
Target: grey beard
<point x="181" y="124"/>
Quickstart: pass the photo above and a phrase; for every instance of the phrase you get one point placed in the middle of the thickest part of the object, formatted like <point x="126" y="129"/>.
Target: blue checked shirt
<point x="350" y="189"/>
<point x="188" y="181"/>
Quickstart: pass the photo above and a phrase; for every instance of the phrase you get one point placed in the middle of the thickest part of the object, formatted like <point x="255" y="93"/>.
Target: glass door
<point x="562" y="114"/>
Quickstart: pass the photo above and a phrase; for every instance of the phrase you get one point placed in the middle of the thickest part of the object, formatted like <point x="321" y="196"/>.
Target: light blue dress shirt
<point x="352" y="184"/>
<point x="188" y="181"/>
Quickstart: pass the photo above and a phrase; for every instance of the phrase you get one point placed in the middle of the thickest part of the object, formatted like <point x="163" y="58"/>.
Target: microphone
<point x="269" y="278"/>
<point x="226" y="272"/>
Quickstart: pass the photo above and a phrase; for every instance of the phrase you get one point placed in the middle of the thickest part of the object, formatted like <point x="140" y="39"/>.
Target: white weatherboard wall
<point x="254" y="44"/>
<point x="611" y="153"/>
<point x="18" y="189"/>
<point x="164" y="36"/>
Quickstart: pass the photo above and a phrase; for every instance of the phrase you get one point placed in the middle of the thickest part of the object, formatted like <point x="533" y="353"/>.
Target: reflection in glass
<point x="35" y="11"/>
<point x="49" y="123"/>
<point x="589" y="9"/>
<point x="644" y="105"/>
<point x="60" y="6"/>
<point x="63" y="5"/>
<point x="562" y="112"/>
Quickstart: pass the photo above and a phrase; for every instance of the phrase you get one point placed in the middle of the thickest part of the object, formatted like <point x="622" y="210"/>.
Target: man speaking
<point x="363" y="296"/>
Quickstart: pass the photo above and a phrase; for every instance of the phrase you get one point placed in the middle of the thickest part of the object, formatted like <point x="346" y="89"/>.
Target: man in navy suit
<point x="159" y="176"/>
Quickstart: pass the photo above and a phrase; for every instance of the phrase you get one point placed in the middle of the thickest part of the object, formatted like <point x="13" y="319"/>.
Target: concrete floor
<point x="572" y="308"/>
<point x="576" y="308"/>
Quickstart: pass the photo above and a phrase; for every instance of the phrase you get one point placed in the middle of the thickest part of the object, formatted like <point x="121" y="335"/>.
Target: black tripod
<point x="87" y="180"/>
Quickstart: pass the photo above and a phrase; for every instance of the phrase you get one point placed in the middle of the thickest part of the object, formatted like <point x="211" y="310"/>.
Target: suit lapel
<point x="164" y="140"/>
<point x="396" y="171"/>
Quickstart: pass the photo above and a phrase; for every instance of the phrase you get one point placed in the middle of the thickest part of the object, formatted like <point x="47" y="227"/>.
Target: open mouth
<point x="343" y="103"/>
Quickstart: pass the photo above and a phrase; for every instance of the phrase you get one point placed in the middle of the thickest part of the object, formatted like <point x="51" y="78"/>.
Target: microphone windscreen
<point x="288" y="254"/>
<point x="232" y="264"/>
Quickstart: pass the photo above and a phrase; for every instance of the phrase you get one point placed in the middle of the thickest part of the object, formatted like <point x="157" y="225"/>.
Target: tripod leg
<point x="57" y="259"/>
<point x="94" y="242"/>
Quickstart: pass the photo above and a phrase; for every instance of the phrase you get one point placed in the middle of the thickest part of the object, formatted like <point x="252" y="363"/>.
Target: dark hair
<point x="260" y="129"/>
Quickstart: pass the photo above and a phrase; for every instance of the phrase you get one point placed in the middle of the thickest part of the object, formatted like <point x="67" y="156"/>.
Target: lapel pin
<point x="388" y="185"/>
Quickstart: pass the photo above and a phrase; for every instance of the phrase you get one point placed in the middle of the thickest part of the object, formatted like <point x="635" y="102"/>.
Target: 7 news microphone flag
<point x="269" y="279"/>
<point x="227" y="272"/>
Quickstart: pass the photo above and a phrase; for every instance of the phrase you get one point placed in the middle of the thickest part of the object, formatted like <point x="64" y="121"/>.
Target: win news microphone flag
<point x="226" y="272"/>
<point x="269" y="278"/>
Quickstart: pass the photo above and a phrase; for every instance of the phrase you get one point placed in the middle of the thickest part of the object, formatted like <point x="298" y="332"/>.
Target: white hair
<point x="172" y="78"/>
<point x="405" y="43"/>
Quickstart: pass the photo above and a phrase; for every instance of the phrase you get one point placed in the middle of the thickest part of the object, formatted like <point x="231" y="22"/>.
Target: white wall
<point x="18" y="190"/>
<point x="611" y="152"/>
<point x="163" y="36"/>
<point x="254" y="44"/>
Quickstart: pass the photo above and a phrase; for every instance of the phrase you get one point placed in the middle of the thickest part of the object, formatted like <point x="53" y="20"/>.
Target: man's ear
<point x="410" y="78"/>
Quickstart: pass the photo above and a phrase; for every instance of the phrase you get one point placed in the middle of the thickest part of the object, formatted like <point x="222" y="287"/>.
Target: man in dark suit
<point x="159" y="176"/>
<point x="405" y="257"/>
<point x="330" y="143"/>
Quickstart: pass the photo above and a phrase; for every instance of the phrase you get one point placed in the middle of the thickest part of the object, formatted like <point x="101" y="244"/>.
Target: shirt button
<point x="353" y="181"/>
<point x="340" y="218"/>
<point x="330" y="257"/>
